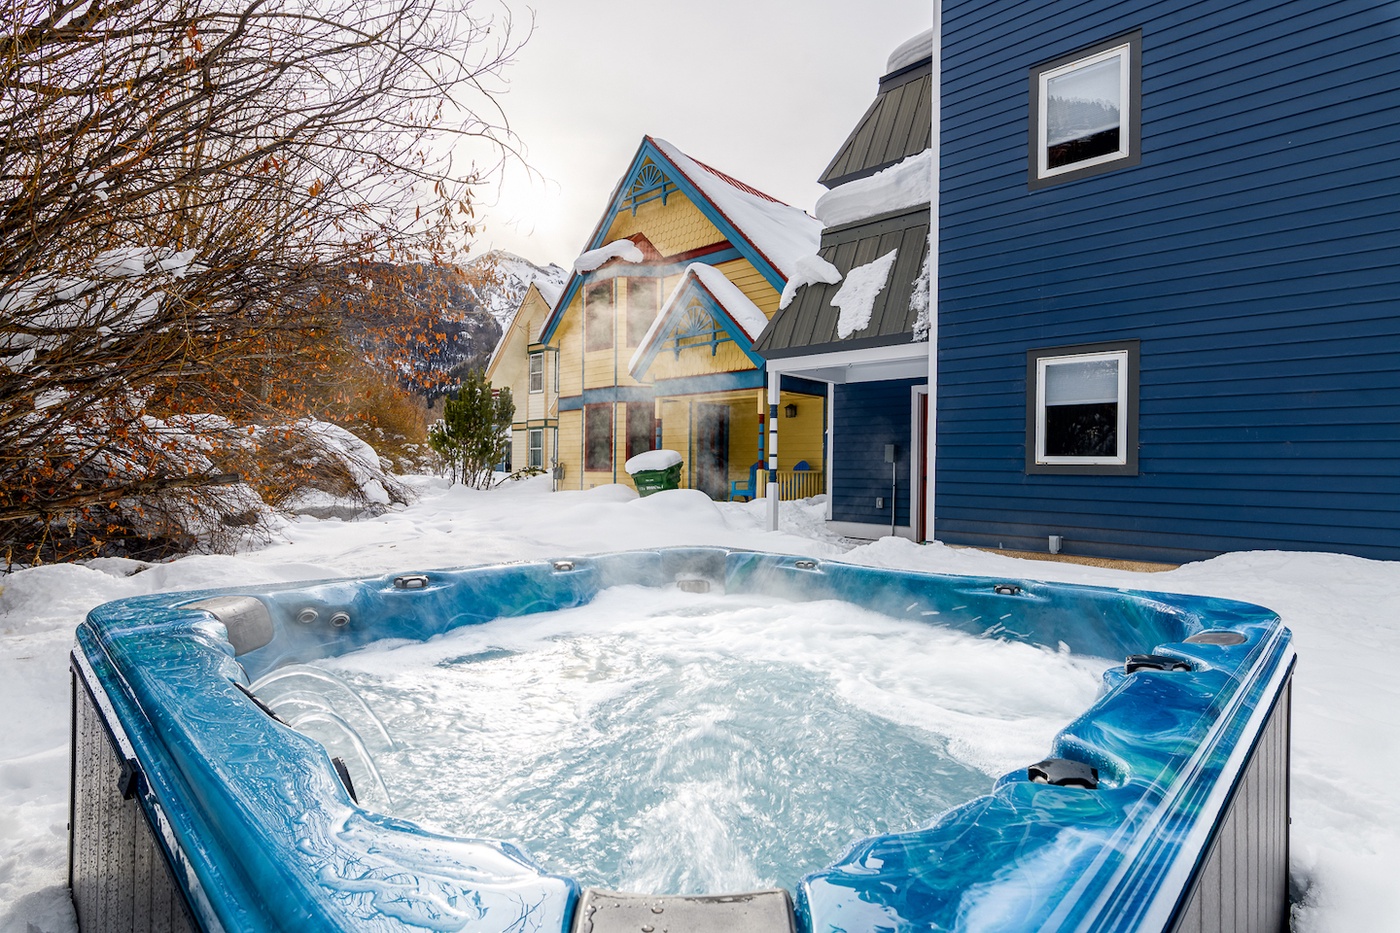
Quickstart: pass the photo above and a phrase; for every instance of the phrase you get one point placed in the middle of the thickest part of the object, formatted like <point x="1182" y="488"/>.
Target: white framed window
<point x="536" y="449"/>
<point x="1085" y="112"/>
<point x="1081" y="411"/>
<point x="536" y="371"/>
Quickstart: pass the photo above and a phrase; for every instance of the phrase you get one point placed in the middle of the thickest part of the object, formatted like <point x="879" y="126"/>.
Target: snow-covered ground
<point x="1344" y="612"/>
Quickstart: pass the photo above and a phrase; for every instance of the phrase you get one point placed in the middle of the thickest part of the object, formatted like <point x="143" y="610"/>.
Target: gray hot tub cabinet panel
<point x="1242" y="885"/>
<point x="117" y="871"/>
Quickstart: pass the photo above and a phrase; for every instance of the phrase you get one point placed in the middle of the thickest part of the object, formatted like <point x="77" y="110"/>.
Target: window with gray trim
<point x="536" y="372"/>
<point x="535" y="437"/>
<point x="1082" y="409"/>
<point x="1085" y="112"/>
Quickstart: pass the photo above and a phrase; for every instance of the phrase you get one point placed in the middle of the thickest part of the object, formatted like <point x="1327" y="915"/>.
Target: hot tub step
<point x="755" y="912"/>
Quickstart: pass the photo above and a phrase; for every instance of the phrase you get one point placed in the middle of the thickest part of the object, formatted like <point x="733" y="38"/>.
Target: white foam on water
<point x="668" y="742"/>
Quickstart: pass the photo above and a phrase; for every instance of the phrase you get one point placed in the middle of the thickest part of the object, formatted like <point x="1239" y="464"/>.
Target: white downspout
<point x="931" y="428"/>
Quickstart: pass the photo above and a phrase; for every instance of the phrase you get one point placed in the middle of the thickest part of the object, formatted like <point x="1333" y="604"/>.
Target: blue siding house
<point x="1168" y="290"/>
<point x="871" y="355"/>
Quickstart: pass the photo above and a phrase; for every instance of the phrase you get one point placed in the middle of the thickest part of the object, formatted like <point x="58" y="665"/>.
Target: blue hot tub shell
<point x="258" y="833"/>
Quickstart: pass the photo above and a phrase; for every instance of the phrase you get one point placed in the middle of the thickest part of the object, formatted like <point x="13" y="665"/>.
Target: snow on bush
<point x="322" y="470"/>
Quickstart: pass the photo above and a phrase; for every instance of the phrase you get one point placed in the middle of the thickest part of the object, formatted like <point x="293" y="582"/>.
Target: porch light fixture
<point x="790" y="410"/>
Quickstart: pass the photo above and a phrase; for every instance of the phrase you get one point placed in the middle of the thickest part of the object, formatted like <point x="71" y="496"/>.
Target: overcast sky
<point x="764" y="90"/>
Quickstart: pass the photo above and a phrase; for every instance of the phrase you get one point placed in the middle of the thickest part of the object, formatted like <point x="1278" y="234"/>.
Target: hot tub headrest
<point x="248" y="622"/>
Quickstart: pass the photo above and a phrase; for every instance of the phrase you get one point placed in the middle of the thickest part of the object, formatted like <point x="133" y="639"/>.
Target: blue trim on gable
<point x="606" y="395"/>
<point x="744" y="247"/>
<point x="689" y="288"/>
<point x="685" y="385"/>
<point x="715" y="382"/>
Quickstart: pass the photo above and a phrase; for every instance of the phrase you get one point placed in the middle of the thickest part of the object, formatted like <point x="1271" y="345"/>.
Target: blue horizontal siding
<point x="865" y="417"/>
<point x="1254" y="253"/>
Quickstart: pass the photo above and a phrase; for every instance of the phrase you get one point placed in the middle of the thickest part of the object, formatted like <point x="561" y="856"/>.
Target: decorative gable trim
<point x="649" y="182"/>
<point x="639" y="185"/>
<point x="693" y="318"/>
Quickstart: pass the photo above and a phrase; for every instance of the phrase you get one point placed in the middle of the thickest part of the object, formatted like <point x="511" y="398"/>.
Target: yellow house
<point x="655" y="331"/>
<point x="530" y="370"/>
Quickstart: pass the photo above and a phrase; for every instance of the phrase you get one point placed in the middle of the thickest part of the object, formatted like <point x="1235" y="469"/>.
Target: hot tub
<point x="1162" y="807"/>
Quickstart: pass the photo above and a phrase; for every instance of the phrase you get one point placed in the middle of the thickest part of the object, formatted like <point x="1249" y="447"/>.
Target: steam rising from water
<point x="666" y="742"/>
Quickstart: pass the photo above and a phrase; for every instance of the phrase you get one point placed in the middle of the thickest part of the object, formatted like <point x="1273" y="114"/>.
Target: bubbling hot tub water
<point x="661" y="741"/>
<point x="631" y="730"/>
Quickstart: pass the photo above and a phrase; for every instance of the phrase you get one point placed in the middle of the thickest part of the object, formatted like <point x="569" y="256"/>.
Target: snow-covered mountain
<point x="511" y="279"/>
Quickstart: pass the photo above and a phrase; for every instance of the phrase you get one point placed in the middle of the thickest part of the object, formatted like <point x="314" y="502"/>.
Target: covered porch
<point x="723" y="438"/>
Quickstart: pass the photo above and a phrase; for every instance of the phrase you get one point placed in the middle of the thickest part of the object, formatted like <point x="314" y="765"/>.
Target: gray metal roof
<point x="898" y="124"/>
<point x="808" y="325"/>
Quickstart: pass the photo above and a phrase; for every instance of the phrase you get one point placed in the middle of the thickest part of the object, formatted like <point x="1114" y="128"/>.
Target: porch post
<point x="774" y="390"/>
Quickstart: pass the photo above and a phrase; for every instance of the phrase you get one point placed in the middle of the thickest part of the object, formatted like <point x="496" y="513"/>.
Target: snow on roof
<point x="911" y="51"/>
<point x="728" y="295"/>
<point x="856" y="298"/>
<point x="810" y="270"/>
<point x="625" y="250"/>
<point x="907" y="183"/>
<point x="744" y="312"/>
<point x="549" y="291"/>
<point x="781" y="233"/>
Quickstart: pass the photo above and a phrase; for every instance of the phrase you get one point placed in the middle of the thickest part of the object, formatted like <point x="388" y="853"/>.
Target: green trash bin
<point x="654" y="471"/>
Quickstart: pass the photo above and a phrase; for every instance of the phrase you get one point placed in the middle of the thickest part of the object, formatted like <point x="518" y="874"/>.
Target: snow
<point x="810" y="270"/>
<point x="652" y="460"/>
<point x="515" y="274"/>
<point x="908" y="183"/>
<point x="782" y="233"/>
<point x="919" y="296"/>
<point x="549" y="290"/>
<point x="856" y="298"/>
<point x="910" y="51"/>
<point x="625" y="250"/>
<point x="730" y="297"/>
<point x="1343" y="612"/>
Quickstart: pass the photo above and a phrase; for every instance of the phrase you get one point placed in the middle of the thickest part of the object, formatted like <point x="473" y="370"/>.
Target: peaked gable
<point x="531" y="310"/>
<point x="771" y="235"/>
<point x="703" y="290"/>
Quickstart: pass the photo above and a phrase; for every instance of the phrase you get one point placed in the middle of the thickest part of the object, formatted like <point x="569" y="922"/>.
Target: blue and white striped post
<point x="774" y="389"/>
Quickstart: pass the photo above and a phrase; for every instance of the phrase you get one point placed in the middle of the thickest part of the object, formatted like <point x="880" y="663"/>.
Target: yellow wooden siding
<point x="675" y="432"/>
<point x="697" y="361"/>
<point x="568" y="337"/>
<point x="511" y="366"/>
<point x="678" y="226"/>
<point x="625" y="348"/>
<point x="531" y="404"/>
<point x="519" y="441"/>
<point x="599" y="368"/>
<point x="752" y="283"/>
<point x="571" y="449"/>
<point x="800" y="438"/>
<point x="743" y="439"/>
